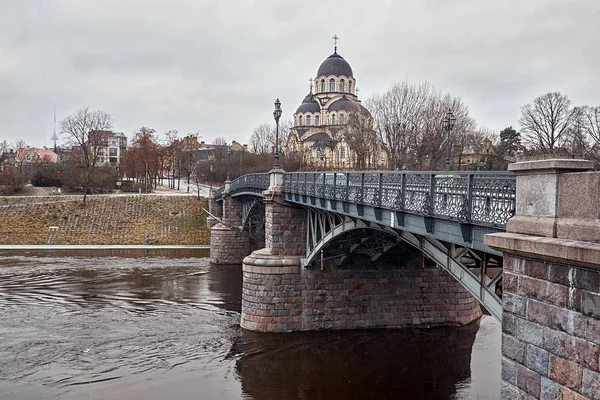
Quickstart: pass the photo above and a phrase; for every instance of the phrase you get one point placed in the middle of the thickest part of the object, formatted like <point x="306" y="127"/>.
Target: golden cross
<point x="335" y="40"/>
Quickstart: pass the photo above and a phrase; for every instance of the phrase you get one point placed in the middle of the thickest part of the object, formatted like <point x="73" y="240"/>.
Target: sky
<point x="215" y="68"/>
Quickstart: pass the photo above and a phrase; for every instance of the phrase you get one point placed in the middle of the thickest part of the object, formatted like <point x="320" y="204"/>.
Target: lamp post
<point x="449" y="121"/>
<point x="228" y="157"/>
<point x="277" y="115"/>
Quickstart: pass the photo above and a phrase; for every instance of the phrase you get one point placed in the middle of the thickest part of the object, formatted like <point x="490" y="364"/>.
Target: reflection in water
<point x="138" y="325"/>
<point x="381" y="364"/>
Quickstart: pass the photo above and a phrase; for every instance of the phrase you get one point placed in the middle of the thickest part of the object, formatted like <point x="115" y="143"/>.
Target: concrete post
<point x="551" y="283"/>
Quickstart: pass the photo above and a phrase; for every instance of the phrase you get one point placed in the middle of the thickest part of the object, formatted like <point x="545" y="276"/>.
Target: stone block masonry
<point x="551" y="331"/>
<point x="551" y="283"/>
<point x="279" y="296"/>
<point x="228" y="245"/>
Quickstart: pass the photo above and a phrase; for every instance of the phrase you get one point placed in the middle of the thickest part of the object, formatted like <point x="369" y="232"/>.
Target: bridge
<point x="348" y="249"/>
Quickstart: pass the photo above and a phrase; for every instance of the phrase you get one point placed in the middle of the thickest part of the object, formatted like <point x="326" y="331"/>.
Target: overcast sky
<point x="216" y="67"/>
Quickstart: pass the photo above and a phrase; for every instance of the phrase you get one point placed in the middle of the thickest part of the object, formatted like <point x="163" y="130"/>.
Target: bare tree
<point x="262" y="139"/>
<point x="589" y="118"/>
<point x="220" y="141"/>
<point x="87" y="129"/>
<point x="547" y="122"/>
<point x="361" y="138"/>
<point x="408" y="120"/>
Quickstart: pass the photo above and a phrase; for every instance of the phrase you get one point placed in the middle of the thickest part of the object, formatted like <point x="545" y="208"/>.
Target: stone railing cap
<point x="551" y="165"/>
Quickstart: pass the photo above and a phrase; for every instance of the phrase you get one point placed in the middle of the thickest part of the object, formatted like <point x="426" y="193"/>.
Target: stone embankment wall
<point x="551" y="330"/>
<point x="551" y="282"/>
<point x="105" y="220"/>
<point x="287" y="298"/>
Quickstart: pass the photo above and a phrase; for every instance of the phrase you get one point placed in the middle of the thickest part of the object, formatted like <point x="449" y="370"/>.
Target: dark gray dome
<point x="335" y="65"/>
<point x="309" y="104"/>
<point x="343" y="104"/>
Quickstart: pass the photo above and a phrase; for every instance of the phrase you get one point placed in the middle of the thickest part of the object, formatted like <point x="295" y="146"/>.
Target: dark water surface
<point x="163" y="325"/>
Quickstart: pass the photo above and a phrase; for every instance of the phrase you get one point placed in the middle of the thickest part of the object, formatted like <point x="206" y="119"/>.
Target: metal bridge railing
<point x="482" y="198"/>
<point x="251" y="183"/>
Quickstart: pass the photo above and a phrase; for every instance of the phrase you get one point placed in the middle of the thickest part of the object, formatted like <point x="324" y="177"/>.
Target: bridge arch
<point x="325" y="227"/>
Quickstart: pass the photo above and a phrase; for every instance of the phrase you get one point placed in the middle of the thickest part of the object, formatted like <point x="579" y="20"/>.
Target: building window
<point x="300" y="120"/>
<point x="333" y="119"/>
<point x="342" y="86"/>
<point x="308" y="120"/>
<point x="342" y="118"/>
<point x="332" y="85"/>
<point x="112" y="152"/>
<point x="342" y="153"/>
<point x="322" y="85"/>
<point x="316" y="120"/>
<point x="349" y="86"/>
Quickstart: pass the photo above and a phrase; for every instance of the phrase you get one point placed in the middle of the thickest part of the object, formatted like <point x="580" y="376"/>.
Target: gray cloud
<point x="216" y="67"/>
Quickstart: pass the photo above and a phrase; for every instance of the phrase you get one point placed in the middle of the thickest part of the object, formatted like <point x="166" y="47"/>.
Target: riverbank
<point x="125" y="219"/>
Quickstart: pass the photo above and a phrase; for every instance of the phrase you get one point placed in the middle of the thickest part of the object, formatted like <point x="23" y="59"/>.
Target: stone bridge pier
<point x="279" y="295"/>
<point x="551" y="282"/>
<point x="228" y="244"/>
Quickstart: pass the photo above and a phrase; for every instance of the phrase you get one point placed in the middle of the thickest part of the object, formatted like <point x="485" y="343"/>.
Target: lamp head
<point x="277" y="112"/>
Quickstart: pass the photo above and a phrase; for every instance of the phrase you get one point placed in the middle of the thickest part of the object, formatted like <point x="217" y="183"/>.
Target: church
<point x="328" y="123"/>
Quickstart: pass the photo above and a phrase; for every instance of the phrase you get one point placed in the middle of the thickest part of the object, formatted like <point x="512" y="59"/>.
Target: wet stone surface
<point x="164" y="324"/>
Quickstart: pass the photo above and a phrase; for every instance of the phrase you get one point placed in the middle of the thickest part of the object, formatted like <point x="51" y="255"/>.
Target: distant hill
<point x="110" y="220"/>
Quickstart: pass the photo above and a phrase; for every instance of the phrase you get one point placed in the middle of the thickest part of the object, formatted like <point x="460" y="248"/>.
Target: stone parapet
<point x="279" y="296"/>
<point x="555" y="200"/>
<point x="573" y="252"/>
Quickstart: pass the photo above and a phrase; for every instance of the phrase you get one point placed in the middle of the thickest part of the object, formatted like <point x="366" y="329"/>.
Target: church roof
<point x="309" y="104"/>
<point x="342" y="104"/>
<point x="335" y="65"/>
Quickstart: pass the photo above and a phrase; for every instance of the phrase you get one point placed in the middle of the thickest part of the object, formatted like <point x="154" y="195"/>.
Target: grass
<point x="104" y="220"/>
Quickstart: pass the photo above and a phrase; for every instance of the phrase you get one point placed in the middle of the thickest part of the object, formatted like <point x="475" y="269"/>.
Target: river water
<point x="161" y="324"/>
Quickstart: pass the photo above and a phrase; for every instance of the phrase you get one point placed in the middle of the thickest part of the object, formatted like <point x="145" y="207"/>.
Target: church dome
<point x="343" y="104"/>
<point x="309" y="104"/>
<point x="335" y="65"/>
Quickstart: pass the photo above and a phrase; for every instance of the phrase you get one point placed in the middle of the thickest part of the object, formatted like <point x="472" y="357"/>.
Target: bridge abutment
<point x="551" y="283"/>
<point x="228" y="245"/>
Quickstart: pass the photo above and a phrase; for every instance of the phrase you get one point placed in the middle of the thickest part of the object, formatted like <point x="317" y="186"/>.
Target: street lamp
<point x="449" y="121"/>
<point x="277" y="115"/>
<point x="228" y="157"/>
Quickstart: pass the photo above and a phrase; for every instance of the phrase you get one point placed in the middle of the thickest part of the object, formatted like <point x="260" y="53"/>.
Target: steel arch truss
<point x="340" y="237"/>
<point x="337" y="237"/>
<point x="253" y="217"/>
<point x="478" y="272"/>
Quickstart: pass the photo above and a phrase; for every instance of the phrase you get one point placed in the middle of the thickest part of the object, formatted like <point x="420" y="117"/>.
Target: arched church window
<point x="308" y="120"/>
<point x="350" y="86"/>
<point x="316" y="120"/>
<point x="333" y="119"/>
<point x="342" y="86"/>
<point x="342" y="118"/>
<point x="332" y="85"/>
<point x="322" y="85"/>
<point x="300" y="120"/>
<point x="342" y="153"/>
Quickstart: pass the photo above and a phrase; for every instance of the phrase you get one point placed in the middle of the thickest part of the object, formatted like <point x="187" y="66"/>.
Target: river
<point x="163" y="324"/>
